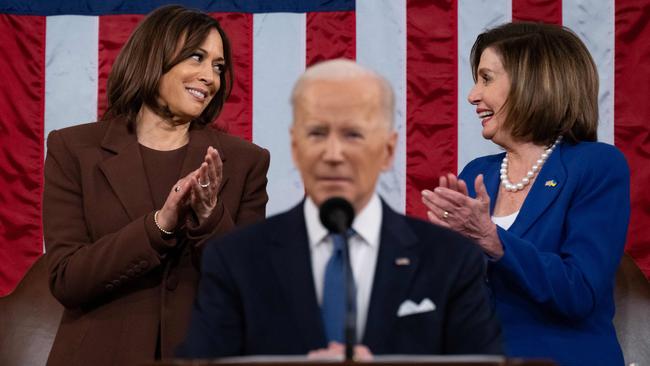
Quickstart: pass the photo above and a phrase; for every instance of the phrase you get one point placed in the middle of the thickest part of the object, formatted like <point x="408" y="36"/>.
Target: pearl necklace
<point x="511" y="187"/>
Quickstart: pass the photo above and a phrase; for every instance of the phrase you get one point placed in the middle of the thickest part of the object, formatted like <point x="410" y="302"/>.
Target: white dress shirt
<point x="364" y="247"/>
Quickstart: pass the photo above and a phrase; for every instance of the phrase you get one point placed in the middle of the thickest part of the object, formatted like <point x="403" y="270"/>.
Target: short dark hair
<point x="553" y="81"/>
<point x="167" y="36"/>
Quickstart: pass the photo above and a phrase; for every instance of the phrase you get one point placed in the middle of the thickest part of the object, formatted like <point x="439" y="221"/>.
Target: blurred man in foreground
<point x="267" y="289"/>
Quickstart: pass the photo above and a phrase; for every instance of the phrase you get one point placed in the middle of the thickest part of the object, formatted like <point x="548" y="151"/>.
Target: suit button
<point x="109" y="287"/>
<point x="144" y="264"/>
<point x="172" y="282"/>
<point x="115" y="283"/>
<point x="137" y="269"/>
<point x="130" y="273"/>
<point x="123" y="278"/>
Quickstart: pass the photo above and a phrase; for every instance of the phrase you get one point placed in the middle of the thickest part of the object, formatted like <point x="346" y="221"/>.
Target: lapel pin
<point x="550" y="183"/>
<point x="402" y="261"/>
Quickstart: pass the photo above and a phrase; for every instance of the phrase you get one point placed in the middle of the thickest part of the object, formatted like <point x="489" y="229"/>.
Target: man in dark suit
<point x="419" y="287"/>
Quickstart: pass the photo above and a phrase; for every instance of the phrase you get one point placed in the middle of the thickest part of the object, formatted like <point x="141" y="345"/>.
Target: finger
<point x="454" y="197"/>
<point x="435" y="203"/>
<point x="462" y="187"/>
<point x="437" y="220"/>
<point x="481" y="191"/>
<point x="442" y="182"/>
<point x="453" y="182"/>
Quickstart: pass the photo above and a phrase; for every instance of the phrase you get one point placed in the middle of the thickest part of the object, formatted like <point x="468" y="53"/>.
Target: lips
<point x="485" y="115"/>
<point x="198" y="94"/>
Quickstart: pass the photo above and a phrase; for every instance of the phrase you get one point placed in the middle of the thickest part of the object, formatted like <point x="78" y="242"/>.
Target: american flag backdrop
<point x="55" y="57"/>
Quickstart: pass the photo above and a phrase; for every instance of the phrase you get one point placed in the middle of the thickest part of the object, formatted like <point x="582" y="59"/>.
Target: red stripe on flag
<point x="22" y="104"/>
<point x="114" y="30"/>
<point x="547" y="11"/>
<point x="330" y="35"/>
<point x="632" y="113"/>
<point x="431" y="98"/>
<point x="237" y="115"/>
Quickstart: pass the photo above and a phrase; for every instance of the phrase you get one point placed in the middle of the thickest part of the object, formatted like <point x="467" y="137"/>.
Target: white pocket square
<point x="408" y="307"/>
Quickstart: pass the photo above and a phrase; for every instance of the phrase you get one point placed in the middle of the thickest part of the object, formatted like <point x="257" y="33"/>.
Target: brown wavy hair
<point x="167" y="36"/>
<point x="553" y="81"/>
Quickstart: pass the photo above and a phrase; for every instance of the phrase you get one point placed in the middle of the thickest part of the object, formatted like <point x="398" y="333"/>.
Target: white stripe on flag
<point x="593" y="22"/>
<point x="279" y="54"/>
<point x="474" y="17"/>
<point x="381" y="24"/>
<point x="71" y="53"/>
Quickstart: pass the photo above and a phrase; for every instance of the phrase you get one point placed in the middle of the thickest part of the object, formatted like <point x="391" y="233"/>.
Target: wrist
<point x="163" y="229"/>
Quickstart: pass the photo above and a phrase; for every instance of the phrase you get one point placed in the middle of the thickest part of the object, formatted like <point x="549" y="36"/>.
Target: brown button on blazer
<point x="123" y="285"/>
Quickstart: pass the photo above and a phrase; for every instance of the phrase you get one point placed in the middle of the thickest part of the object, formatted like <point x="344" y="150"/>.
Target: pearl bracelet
<point x="155" y="221"/>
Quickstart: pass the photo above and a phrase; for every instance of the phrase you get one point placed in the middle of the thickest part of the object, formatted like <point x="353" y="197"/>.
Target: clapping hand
<point x="198" y="189"/>
<point x="449" y="205"/>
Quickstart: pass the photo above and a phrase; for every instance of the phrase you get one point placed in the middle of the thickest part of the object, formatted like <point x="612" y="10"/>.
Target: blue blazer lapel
<point x="392" y="281"/>
<point x="492" y="181"/>
<point x="291" y="260"/>
<point x="546" y="188"/>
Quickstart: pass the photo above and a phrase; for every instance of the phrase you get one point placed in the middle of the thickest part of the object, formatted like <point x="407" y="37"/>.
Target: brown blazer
<point x="122" y="284"/>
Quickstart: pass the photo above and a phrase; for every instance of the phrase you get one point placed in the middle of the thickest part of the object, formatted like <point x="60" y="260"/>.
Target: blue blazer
<point x="257" y="296"/>
<point x="553" y="287"/>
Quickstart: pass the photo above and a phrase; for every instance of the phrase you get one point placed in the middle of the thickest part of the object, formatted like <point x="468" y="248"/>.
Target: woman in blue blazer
<point x="551" y="212"/>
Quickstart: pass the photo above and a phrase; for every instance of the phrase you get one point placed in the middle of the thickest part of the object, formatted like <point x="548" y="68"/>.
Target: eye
<point x="196" y="57"/>
<point x="485" y="78"/>
<point x="316" y="133"/>
<point x="219" y="68"/>
<point x="353" y="135"/>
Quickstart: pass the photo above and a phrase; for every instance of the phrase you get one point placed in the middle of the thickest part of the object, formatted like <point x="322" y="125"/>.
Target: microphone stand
<point x="350" y="330"/>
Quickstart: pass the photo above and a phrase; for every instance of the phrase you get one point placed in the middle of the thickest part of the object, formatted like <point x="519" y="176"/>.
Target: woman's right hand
<point x="176" y="202"/>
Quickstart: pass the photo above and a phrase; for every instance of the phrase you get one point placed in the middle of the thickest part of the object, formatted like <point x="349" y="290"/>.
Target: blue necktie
<point x="333" y="307"/>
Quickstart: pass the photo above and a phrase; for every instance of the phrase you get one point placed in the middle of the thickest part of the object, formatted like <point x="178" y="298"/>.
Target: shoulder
<point x="433" y="240"/>
<point x="594" y="161"/>
<point x="79" y="135"/>
<point x="236" y="145"/>
<point x="481" y="165"/>
<point x="248" y="240"/>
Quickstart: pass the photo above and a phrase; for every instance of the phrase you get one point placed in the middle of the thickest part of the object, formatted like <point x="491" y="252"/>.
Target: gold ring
<point x="445" y="215"/>
<point x="206" y="185"/>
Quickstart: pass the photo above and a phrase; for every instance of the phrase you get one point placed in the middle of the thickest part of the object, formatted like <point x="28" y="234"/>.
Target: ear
<point x="292" y="133"/>
<point x="391" y="145"/>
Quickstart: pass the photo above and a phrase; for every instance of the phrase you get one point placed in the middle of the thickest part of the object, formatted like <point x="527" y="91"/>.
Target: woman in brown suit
<point x="129" y="201"/>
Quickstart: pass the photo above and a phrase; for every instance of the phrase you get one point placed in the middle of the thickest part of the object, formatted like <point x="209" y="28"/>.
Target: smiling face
<point x="341" y="139"/>
<point x="489" y="95"/>
<point x="188" y="87"/>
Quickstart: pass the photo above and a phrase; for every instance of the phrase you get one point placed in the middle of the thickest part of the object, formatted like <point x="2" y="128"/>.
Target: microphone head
<point x="336" y="214"/>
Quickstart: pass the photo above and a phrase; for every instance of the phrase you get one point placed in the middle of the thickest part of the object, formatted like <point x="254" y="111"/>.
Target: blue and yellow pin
<point x="550" y="183"/>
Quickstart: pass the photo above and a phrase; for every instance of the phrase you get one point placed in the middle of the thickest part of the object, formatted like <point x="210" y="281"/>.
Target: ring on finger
<point x="177" y="188"/>
<point x="204" y="185"/>
<point x="445" y="215"/>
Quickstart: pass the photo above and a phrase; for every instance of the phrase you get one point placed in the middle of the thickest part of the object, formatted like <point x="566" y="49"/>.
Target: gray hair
<point x="344" y="69"/>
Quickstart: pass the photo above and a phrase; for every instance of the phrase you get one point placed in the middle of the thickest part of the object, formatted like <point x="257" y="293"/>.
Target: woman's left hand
<point x="205" y="183"/>
<point x="449" y="205"/>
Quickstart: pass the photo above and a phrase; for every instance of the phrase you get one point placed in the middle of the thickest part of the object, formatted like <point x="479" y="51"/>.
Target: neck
<point x="158" y="133"/>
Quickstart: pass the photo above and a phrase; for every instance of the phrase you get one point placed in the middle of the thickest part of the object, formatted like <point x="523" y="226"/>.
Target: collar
<point x="367" y="224"/>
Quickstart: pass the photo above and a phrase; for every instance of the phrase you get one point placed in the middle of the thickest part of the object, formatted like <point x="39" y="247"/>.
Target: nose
<point x="206" y="74"/>
<point x="333" y="150"/>
<point x="474" y="96"/>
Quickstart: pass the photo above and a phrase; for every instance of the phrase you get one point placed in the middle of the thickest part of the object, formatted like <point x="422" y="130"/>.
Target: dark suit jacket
<point x="123" y="285"/>
<point x="257" y="296"/>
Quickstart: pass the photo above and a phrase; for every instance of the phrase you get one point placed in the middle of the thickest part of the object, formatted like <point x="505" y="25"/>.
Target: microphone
<point x="337" y="214"/>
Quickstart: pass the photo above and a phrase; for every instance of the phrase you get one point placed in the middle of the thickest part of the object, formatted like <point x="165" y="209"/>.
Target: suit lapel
<point x="391" y="282"/>
<point x="492" y="181"/>
<point x="291" y="260"/>
<point x="124" y="170"/>
<point x="548" y="185"/>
